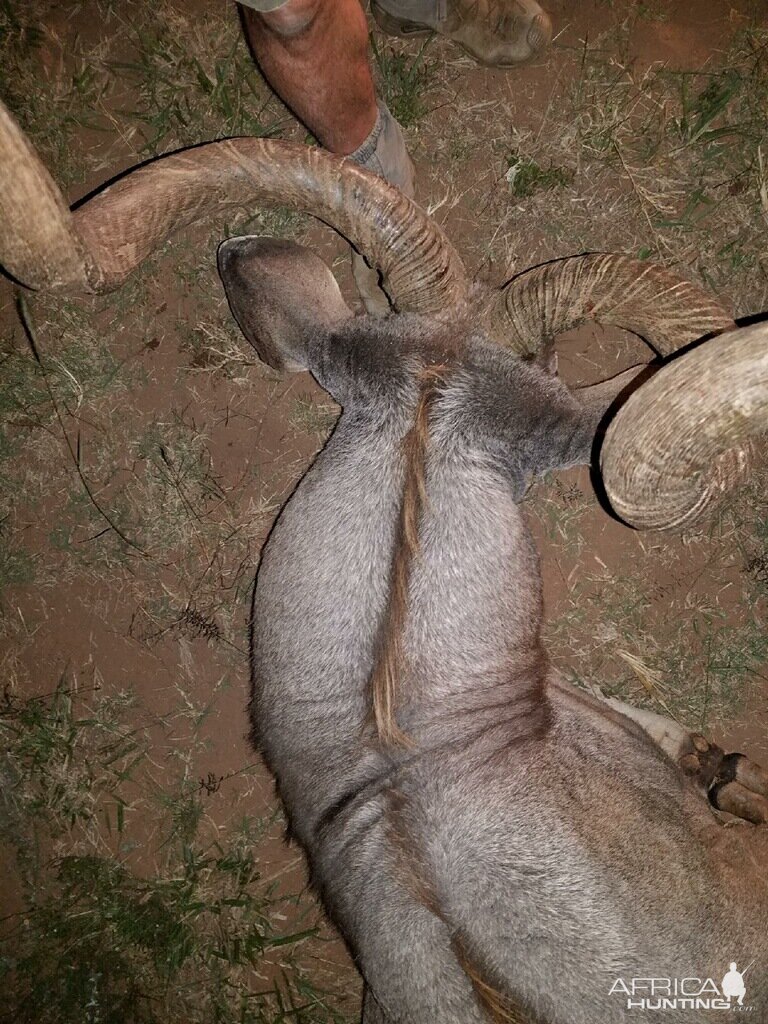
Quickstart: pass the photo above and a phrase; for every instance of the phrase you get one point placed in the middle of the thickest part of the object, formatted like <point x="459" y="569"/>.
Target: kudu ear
<point x="282" y="295"/>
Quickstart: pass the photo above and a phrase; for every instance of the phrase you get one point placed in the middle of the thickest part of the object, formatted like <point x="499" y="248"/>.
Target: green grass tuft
<point x="188" y="935"/>
<point x="525" y="177"/>
<point x="404" y="81"/>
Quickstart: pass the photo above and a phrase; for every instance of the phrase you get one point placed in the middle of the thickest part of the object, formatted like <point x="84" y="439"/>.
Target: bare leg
<point x="314" y="53"/>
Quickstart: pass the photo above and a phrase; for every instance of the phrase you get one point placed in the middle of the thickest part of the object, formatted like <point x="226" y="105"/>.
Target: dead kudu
<point x="491" y="843"/>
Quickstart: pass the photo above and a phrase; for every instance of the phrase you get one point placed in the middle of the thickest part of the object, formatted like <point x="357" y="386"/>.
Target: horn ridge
<point x="665" y="309"/>
<point x="109" y="234"/>
<point x="685" y="439"/>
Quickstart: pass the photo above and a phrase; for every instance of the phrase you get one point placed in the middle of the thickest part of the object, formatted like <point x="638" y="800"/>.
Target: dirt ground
<point x="147" y="452"/>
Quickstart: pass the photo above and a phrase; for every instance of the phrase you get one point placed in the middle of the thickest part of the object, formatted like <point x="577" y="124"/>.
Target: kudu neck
<point x="461" y="632"/>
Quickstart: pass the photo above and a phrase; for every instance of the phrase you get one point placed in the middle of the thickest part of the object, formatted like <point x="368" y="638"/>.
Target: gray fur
<point x="562" y="848"/>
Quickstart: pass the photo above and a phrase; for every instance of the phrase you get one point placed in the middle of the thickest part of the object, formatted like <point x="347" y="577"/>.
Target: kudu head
<point x="676" y="445"/>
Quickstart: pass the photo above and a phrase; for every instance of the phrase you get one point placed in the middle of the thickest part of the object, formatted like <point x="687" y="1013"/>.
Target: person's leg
<point x="314" y="54"/>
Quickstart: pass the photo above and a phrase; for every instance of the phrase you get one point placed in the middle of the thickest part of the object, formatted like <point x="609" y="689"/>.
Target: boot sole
<point x="410" y="29"/>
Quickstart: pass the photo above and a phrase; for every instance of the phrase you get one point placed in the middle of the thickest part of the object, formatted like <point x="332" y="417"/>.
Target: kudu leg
<point x="732" y="782"/>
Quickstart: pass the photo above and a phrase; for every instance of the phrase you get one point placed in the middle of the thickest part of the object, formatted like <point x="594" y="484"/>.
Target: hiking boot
<point x="499" y="33"/>
<point x="384" y="153"/>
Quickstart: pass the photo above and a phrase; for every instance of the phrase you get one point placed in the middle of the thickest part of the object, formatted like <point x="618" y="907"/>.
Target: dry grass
<point x="143" y="458"/>
<point x="138" y="904"/>
<point x="623" y="156"/>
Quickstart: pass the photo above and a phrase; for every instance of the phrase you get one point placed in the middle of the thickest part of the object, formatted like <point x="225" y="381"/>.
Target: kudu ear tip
<point x="234" y="260"/>
<point x="247" y="255"/>
<point x="234" y="249"/>
<point x="226" y="250"/>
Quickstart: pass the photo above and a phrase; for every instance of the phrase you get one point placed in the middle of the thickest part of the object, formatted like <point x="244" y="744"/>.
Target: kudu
<point x="491" y="842"/>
